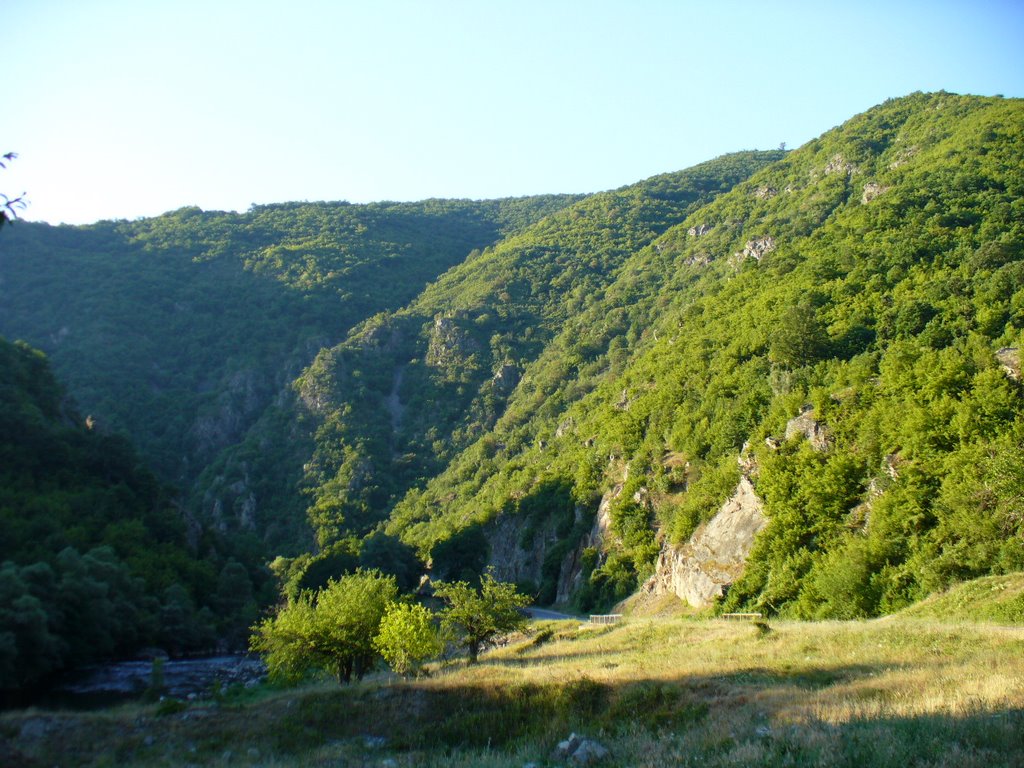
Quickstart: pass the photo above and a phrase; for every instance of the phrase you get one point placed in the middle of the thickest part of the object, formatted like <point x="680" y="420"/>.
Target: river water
<point x="119" y="682"/>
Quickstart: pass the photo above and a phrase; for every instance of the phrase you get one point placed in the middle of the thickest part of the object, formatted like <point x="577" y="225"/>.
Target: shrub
<point x="407" y="638"/>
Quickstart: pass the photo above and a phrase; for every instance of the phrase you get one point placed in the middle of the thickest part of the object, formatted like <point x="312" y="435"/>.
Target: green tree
<point x="461" y="556"/>
<point x="29" y="647"/>
<point x="390" y="555"/>
<point x="479" y="616"/>
<point x="407" y="638"/>
<point x="799" y="339"/>
<point x="235" y="604"/>
<point x="331" y="630"/>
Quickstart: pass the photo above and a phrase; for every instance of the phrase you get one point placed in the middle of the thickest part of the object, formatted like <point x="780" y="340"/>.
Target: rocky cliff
<point x="701" y="570"/>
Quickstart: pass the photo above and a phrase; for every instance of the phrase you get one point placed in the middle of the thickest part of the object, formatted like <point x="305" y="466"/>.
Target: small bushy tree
<point x="479" y="616"/>
<point x="331" y="630"/>
<point x="407" y="638"/>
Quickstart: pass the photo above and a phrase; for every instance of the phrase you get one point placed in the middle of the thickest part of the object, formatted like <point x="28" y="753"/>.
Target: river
<point x="105" y="685"/>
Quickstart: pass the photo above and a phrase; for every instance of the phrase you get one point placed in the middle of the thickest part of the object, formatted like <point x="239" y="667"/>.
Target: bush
<point x="478" y="616"/>
<point x="332" y="630"/>
<point x="407" y="638"/>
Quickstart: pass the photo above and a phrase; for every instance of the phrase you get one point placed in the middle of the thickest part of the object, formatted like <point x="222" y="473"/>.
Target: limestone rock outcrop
<point x="813" y="430"/>
<point x="714" y="557"/>
<point x="1009" y="360"/>
<point x="755" y="249"/>
<point x="871" y="191"/>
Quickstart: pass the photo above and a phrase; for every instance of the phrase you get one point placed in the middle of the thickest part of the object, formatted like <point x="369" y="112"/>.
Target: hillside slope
<point x="186" y="330"/>
<point x="409" y="389"/>
<point x="180" y="329"/>
<point x="871" y="281"/>
<point x="95" y="559"/>
<point x="832" y="331"/>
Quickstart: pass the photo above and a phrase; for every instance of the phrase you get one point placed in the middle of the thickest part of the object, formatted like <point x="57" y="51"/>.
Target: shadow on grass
<point x="435" y="717"/>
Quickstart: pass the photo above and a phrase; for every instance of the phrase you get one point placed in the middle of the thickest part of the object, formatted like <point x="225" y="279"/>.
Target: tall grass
<point x="659" y="691"/>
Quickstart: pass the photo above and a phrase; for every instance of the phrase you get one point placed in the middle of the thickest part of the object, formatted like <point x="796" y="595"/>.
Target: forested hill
<point x="871" y="282"/>
<point x="181" y="330"/>
<point x="408" y="390"/>
<point x="95" y="558"/>
<point x="465" y="383"/>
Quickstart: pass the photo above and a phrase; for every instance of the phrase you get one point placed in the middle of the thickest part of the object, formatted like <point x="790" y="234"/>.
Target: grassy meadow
<point x="907" y="690"/>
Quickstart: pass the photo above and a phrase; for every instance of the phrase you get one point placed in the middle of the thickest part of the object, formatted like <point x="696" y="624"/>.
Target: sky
<point x="123" y="109"/>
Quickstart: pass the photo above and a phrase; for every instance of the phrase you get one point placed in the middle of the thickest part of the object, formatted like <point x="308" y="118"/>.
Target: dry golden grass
<point x="656" y="691"/>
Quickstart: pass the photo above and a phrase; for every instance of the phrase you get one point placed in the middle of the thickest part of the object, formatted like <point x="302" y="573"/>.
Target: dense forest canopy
<point x="874" y="275"/>
<point x="462" y="383"/>
<point x="97" y="559"/>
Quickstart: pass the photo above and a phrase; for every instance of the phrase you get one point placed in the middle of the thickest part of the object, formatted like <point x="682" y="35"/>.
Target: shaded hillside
<point x="186" y="330"/>
<point x="408" y="390"/>
<point x="867" y="280"/>
<point x="95" y="560"/>
<point x="180" y="329"/>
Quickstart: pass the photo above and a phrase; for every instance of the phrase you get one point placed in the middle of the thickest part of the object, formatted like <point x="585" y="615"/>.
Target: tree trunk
<point x="474" y="650"/>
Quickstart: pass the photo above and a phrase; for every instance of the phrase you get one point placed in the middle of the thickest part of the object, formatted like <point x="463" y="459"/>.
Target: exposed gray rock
<point x="813" y="430"/>
<point x="624" y="401"/>
<point x="755" y="249"/>
<point x="765" y="193"/>
<point x="892" y="463"/>
<point x="871" y="191"/>
<point x="247" y="513"/>
<point x="506" y="378"/>
<point x="449" y="343"/>
<point x="902" y="157"/>
<point x="572" y="567"/>
<point x="589" y="752"/>
<point x="699" y="231"/>
<point x="567" y="747"/>
<point x="838" y="164"/>
<point x="511" y="561"/>
<point x="715" y="555"/>
<point x="859" y="518"/>
<point x="1009" y="359"/>
<point x="242" y="397"/>
<point x="580" y="751"/>
<point x="393" y="402"/>
<point x="603" y="521"/>
<point x="380" y="337"/>
<point x="747" y="461"/>
<point x="37" y="728"/>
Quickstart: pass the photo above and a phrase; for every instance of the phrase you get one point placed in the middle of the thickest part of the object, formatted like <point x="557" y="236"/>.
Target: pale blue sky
<point x="120" y="109"/>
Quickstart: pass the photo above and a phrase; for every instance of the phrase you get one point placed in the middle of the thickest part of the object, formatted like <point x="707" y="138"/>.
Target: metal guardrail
<point x="741" y="616"/>
<point x="607" y="618"/>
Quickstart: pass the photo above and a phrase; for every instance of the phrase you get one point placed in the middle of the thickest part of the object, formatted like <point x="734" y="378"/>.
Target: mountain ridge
<point x="617" y="351"/>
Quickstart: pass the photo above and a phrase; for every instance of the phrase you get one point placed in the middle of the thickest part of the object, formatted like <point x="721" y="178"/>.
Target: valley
<point x="782" y="382"/>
